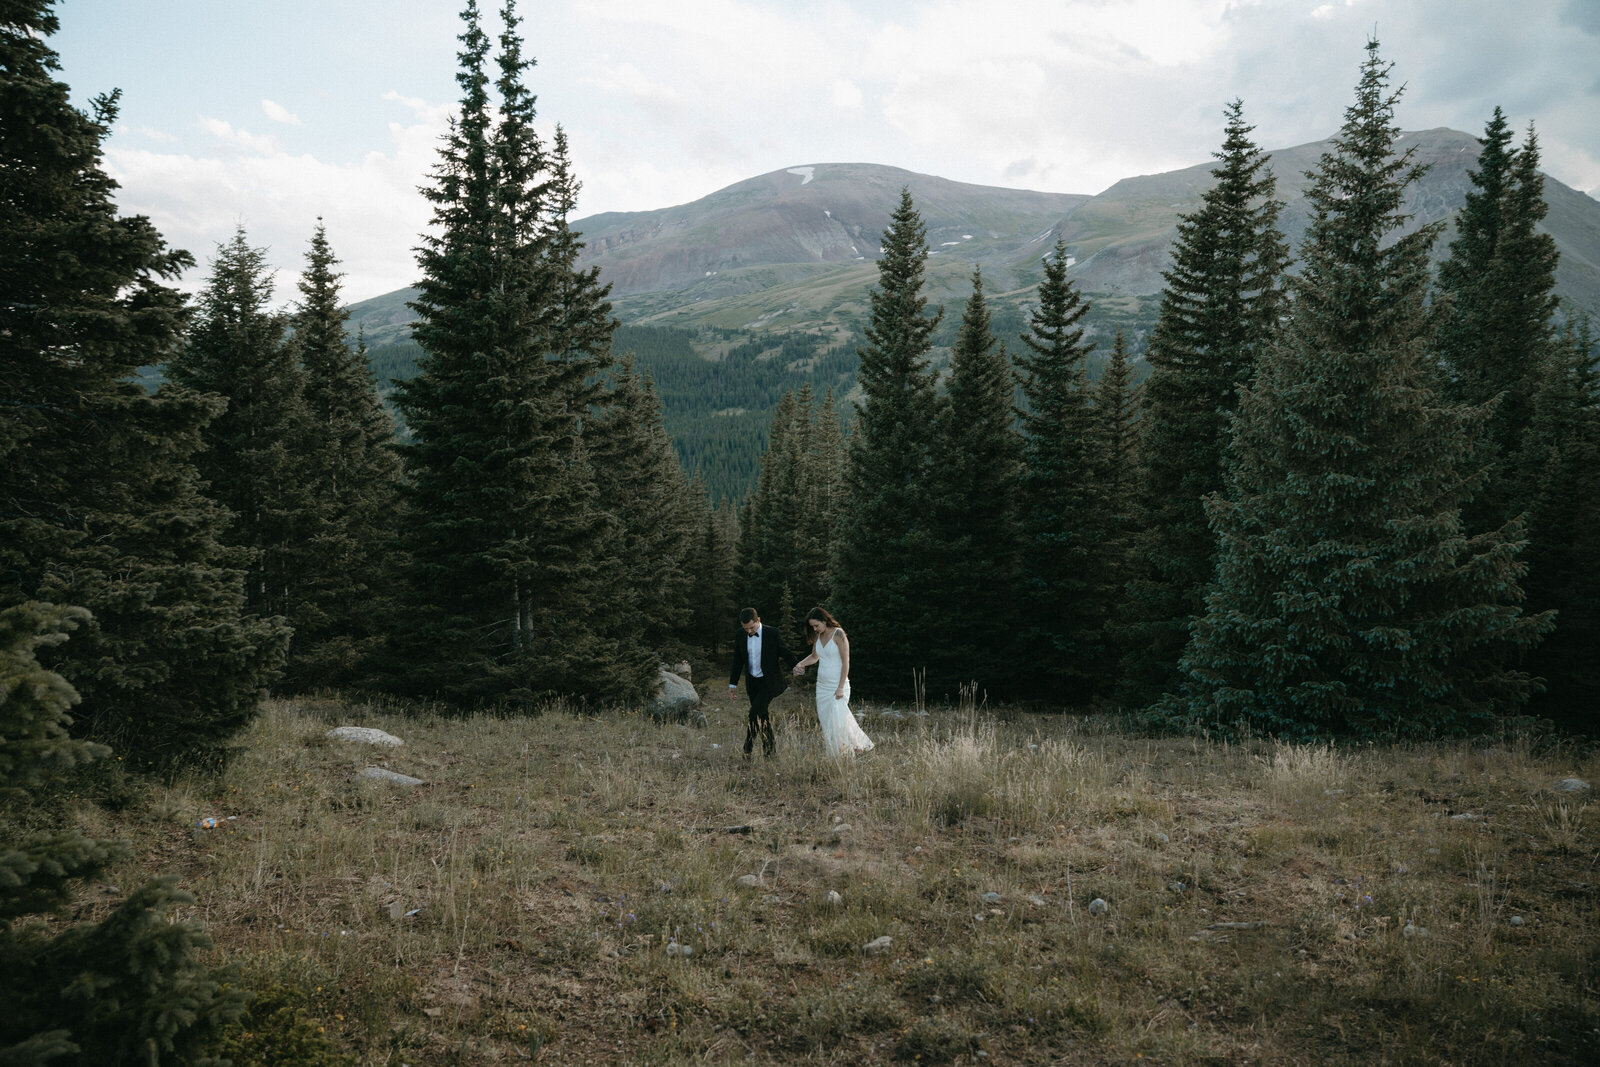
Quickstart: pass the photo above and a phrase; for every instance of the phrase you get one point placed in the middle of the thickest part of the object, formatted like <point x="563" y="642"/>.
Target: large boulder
<point x="364" y="735"/>
<point x="676" y="700"/>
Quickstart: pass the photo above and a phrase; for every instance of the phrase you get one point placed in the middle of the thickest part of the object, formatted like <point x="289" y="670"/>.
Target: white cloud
<point x="278" y="113"/>
<point x="224" y="131"/>
<point x="153" y="134"/>
<point x="371" y="207"/>
<point x="847" y="95"/>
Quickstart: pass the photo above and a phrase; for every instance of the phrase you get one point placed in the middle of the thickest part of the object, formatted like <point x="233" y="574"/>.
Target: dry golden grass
<point x="530" y="902"/>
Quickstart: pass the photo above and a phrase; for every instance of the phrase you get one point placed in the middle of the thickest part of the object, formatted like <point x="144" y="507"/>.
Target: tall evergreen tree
<point x="1219" y="312"/>
<point x="1498" y="305"/>
<point x="712" y="601"/>
<point x="767" y="548"/>
<point x="251" y="462"/>
<point x="973" y="483"/>
<point x="351" y="474"/>
<point x="1063" y="610"/>
<point x="1347" y="598"/>
<point x="1559" y="464"/>
<point x="880" y="572"/>
<point x="130" y="989"/>
<point x="99" y="499"/>
<point x="1116" y="413"/>
<point x="818" y="490"/>
<point x="656" y="521"/>
<point x="503" y="529"/>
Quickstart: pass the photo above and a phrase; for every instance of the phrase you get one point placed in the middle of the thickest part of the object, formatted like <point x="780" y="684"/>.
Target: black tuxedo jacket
<point x="776" y="659"/>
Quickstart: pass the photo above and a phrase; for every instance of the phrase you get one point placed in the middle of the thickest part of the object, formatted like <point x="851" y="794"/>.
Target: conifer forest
<point x="1340" y="494"/>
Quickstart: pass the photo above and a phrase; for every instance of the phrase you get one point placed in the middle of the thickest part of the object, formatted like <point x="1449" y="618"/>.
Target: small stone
<point x="877" y="946"/>
<point x="1037" y="901"/>
<point x="833" y="898"/>
<point x="992" y="898"/>
<point x="1516" y="920"/>
<point x="365" y="735"/>
<point x="839" y="832"/>
<point x="1571" y="785"/>
<point x="749" y="881"/>
<point x="1433" y="852"/>
<point x="397" y="911"/>
<point x="1163" y="838"/>
<point x="1465" y="816"/>
<point x="675" y="949"/>
<point x="837" y="819"/>
<point x="381" y="774"/>
<point x="1098" y="906"/>
<point x="1176" y="887"/>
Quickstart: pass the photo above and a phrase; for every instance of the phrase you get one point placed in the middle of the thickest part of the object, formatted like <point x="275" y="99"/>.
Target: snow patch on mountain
<point x="805" y="173"/>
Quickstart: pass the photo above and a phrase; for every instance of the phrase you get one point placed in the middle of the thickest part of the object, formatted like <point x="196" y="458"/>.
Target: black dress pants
<point x="763" y="691"/>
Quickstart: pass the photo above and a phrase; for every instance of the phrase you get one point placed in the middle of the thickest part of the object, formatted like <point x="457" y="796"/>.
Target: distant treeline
<point x="716" y="411"/>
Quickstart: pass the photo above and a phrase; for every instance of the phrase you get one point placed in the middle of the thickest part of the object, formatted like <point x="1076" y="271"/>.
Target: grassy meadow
<point x="566" y="889"/>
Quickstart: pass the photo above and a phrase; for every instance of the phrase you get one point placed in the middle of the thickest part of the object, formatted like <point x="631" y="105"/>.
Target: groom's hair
<point x="748" y="615"/>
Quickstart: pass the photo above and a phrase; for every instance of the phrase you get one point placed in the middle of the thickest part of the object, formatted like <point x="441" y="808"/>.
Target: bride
<point x="830" y="651"/>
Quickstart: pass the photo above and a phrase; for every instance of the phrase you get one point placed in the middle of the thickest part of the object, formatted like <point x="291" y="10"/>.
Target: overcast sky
<point x="269" y="113"/>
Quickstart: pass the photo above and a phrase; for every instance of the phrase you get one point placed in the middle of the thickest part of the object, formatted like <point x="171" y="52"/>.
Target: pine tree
<point x="1559" y="463"/>
<point x="642" y="486"/>
<point x="767" y="549"/>
<point x="1063" y="609"/>
<point x="236" y="350"/>
<point x="503" y="527"/>
<point x="131" y="988"/>
<point x="1116" y="410"/>
<point x="351" y="475"/>
<point x="99" y="499"/>
<point x="1497" y="300"/>
<point x="1347" y="597"/>
<point x="880" y="572"/>
<point x="1219" y="312"/>
<point x="712" y="604"/>
<point x="818" y="489"/>
<point x="973" y="482"/>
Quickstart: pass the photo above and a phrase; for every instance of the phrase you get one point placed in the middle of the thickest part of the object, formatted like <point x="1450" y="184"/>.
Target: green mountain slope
<point x="773" y="273"/>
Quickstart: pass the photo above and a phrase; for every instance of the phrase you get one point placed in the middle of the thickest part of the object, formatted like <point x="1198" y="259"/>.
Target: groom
<point x="759" y="655"/>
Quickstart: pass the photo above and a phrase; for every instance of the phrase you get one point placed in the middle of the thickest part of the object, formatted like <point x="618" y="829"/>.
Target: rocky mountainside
<point x="794" y="249"/>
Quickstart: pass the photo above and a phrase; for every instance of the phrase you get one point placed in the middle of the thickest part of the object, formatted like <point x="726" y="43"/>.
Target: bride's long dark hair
<point x="821" y="615"/>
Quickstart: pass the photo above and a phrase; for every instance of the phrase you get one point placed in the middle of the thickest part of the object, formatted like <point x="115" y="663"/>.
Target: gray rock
<point x="1516" y="920"/>
<point x="681" y="669"/>
<point x="749" y="881"/>
<point x="1098" y="906"/>
<point x="364" y="735"/>
<point x="1465" y="816"/>
<point x="833" y="899"/>
<point x="877" y="946"/>
<point x="1413" y="930"/>
<point x="1037" y="901"/>
<point x="1163" y="838"/>
<point x="380" y="774"/>
<point x="840" y="832"/>
<point x="1571" y="785"/>
<point x="676" y="701"/>
<point x="675" y="949"/>
<point x="992" y="898"/>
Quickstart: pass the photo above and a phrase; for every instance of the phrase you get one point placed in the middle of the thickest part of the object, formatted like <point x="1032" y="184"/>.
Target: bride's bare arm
<point x="844" y="656"/>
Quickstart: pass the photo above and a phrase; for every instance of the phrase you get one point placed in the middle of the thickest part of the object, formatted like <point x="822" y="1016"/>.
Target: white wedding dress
<point x="840" y="731"/>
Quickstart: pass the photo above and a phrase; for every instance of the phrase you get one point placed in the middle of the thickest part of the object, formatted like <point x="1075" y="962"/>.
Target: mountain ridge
<point x="795" y="248"/>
